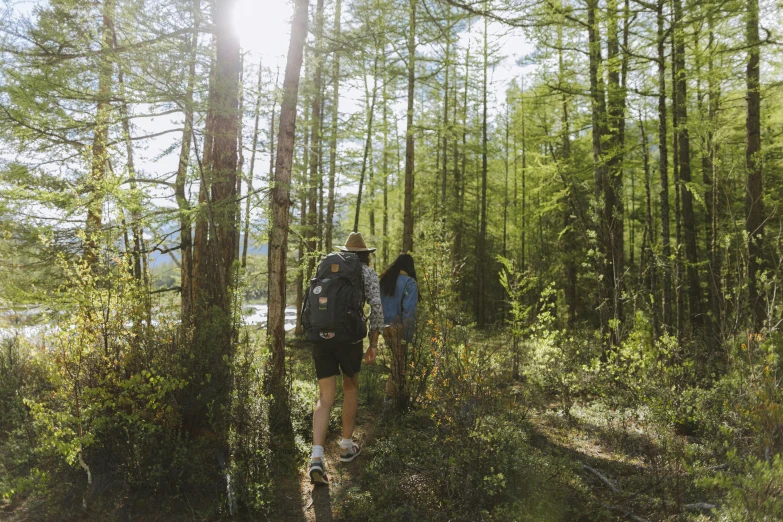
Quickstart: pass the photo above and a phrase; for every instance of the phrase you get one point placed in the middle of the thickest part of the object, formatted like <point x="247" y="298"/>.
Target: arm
<point x="372" y="292"/>
<point x="369" y="355"/>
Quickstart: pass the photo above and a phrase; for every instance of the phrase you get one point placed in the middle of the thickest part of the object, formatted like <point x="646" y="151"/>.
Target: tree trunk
<point x="754" y="195"/>
<point x="93" y="226"/>
<point x="601" y="175"/>
<point x="648" y="257"/>
<point x="684" y="166"/>
<point x="303" y="197"/>
<point x="569" y="237"/>
<point x="505" y="191"/>
<point x="136" y="229"/>
<point x="321" y="156"/>
<point x="200" y="236"/>
<point x="385" y="165"/>
<point x="225" y="150"/>
<point x="711" y="173"/>
<point x="678" y="285"/>
<point x="257" y="111"/>
<point x="663" y="167"/>
<point x="280" y="202"/>
<point x="333" y="133"/>
<point x="214" y="328"/>
<point x="367" y="144"/>
<point x="613" y="185"/>
<point x="460" y="174"/>
<point x="446" y="128"/>
<point x="315" y="141"/>
<point x="407" y="226"/>
<point x="270" y="179"/>
<point x="183" y="204"/>
<point x="482" y="238"/>
<point x="272" y="131"/>
<point x="523" y="227"/>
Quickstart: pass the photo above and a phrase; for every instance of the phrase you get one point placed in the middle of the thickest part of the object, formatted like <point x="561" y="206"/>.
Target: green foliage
<point x="101" y="403"/>
<point x="751" y="492"/>
<point x="428" y="472"/>
<point x="249" y="437"/>
<point x="441" y="319"/>
<point x="560" y="363"/>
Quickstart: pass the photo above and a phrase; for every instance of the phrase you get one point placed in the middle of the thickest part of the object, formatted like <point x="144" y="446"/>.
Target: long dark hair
<point x="390" y="275"/>
<point x="364" y="257"/>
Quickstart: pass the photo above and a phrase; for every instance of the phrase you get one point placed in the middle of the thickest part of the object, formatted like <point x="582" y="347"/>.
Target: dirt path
<point x="322" y="504"/>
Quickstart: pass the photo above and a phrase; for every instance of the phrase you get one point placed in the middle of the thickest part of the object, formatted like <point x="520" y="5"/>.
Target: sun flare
<point x="263" y="26"/>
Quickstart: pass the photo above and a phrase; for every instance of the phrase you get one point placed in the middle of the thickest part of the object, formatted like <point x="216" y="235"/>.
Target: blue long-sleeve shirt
<point x="400" y="308"/>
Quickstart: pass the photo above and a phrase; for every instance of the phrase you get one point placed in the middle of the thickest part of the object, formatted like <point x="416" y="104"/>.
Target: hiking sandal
<point x="347" y="455"/>
<point x="317" y="472"/>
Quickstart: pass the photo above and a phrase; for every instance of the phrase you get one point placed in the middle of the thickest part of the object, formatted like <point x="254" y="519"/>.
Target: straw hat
<point x="355" y="243"/>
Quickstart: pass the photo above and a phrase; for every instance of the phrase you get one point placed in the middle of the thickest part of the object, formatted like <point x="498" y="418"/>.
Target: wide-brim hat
<point x="355" y="243"/>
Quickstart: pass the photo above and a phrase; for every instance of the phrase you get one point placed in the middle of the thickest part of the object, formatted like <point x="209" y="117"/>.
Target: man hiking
<point x="333" y="317"/>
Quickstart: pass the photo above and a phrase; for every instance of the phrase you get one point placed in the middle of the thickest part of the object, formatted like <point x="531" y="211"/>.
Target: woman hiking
<point x="332" y="355"/>
<point x="399" y="295"/>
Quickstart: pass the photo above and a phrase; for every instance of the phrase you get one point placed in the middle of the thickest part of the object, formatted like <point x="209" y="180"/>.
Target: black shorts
<point x="331" y="359"/>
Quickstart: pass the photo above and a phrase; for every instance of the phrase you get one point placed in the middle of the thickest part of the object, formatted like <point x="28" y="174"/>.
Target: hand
<point x="369" y="355"/>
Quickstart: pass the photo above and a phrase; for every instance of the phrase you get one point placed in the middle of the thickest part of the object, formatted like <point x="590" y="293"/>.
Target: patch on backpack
<point x="326" y="335"/>
<point x="335" y="268"/>
<point x="317" y="290"/>
<point x="322" y="303"/>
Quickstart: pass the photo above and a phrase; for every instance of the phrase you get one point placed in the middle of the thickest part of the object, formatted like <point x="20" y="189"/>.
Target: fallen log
<point x="699" y="506"/>
<point x="603" y="478"/>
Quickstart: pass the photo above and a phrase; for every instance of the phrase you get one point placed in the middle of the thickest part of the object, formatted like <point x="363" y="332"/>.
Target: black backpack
<point x="333" y="311"/>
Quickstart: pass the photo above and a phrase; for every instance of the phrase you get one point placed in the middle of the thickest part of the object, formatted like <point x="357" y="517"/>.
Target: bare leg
<point x="327" y="388"/>
<point x="350" y="404"/>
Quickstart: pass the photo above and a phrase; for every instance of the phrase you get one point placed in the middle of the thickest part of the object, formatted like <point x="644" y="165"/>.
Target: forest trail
<point x="322" y="504"/>
<point x="610" y="458"/>
<point x="306" y="502"/>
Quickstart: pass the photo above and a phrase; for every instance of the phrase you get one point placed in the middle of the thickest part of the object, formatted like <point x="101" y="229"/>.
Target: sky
<point x="264" y="30"/>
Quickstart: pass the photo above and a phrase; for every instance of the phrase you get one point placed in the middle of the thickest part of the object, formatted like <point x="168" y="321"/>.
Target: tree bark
<point x="711" y="172"/>
<point x="367" y="144"/>
<point x="648" y="256"/>
<point x="315" y="140"/>
<point x="225" y="149"/>
<point x="303" y="195"/>
<point x="600" y="175"/>
<point x="257" y="111"/>
<point x="754" y="194"/>
<point x="139" y="258"/>
<point x="446" y="128"/>
<point x="200" y="253"/>
<point x="613" y="185"/>
<point x="460" y="173"/>
<point x="214" y="332"/>
<point x="523" y="227"/>
<point x="93" y="226"/>
<point x="183" y="204"/>
<point x="684" y="166"/>
<point x="663" y="167"/>
<point x="482" y="238"/>
<point x="333" y="133"/>
<point x="505" y="191"/>
<point x="280" y="202"/>
<point x="569" y="237"/>
<point x="272" y="130"/>
<point x="385" y="165"/>
<point x="407" y="227"/>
